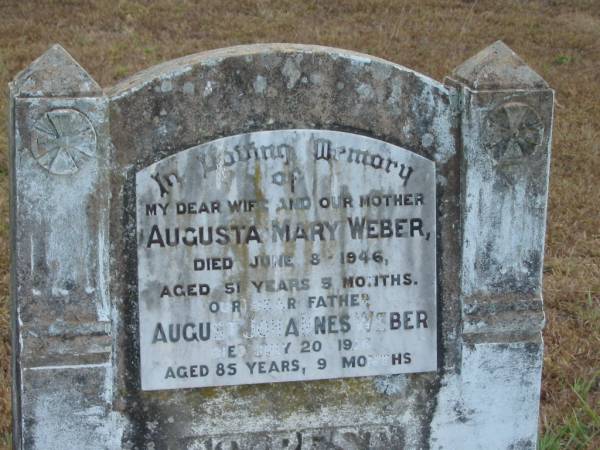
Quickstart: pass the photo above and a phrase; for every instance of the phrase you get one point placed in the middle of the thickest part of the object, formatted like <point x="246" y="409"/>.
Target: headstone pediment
<point x="55" y="74"/>
<point x="498" y="67"/>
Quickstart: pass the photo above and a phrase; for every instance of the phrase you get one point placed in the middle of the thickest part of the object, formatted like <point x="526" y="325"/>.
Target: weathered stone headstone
<point x="278" y="246"/>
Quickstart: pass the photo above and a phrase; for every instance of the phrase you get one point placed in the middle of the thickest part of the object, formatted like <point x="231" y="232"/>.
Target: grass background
<point x="560" y="39"/>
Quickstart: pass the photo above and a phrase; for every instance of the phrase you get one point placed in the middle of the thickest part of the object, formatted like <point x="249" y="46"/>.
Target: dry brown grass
<point x="558" y="38"/>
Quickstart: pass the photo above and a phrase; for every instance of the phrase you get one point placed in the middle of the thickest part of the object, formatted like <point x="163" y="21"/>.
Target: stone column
<point x="505" y="113"/>
<point x="62" y="345"/>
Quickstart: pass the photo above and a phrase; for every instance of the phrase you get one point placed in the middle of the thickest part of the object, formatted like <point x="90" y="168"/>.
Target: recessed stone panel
<point x="283" y="256"/>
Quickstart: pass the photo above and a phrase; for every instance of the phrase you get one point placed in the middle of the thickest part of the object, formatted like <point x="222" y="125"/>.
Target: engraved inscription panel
<point x="283" y="256"/>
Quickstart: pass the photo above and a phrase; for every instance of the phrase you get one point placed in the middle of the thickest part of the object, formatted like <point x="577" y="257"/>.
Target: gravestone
<point x="278" y="246"/>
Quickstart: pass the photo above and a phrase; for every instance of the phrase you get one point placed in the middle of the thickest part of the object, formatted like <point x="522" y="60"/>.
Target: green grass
<point x="6" y="441"/>
<point x="580" y="429"/>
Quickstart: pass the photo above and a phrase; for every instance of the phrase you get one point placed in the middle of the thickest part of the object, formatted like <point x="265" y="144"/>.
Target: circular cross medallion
<point x="513" y="131"/>
<point x="62" y="140"/>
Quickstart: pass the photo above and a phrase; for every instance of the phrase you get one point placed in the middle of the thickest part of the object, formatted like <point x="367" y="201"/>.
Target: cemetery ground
<point x="560" y="39"/>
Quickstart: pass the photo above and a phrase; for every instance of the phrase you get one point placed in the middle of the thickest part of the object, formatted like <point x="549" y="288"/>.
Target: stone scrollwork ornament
<point x="62" y="140"/>
<point x="514" y="131"/>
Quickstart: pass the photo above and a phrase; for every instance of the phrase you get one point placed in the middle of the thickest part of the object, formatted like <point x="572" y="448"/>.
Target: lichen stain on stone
<point x="260" y="84"/>
<point x="203" y="394"/>
<point x="208" y="88"/>
<point x="291" y="72"/>
<point x="166" y="86"/>
<point x="286" y="399"/>
<point x="260" y="196"/>
<point x="395" y="95"/>
<point x="188" y="88"/>
<point x="365" y="91"/>
<point x="316" y="78"/>
<point x="393" y="384"/>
